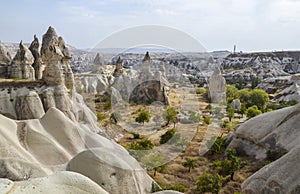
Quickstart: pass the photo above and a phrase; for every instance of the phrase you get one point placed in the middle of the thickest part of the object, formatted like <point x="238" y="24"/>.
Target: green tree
<point x="155" y="161"/>
<point x="217" y="145"/>
<point x="177" y="187"/>
<point x="254" y="82"/>
<point x="190" y="164"/>
<point x="231" y="93"/>
<point x="240" y="84"/>
<point x="171" y="115"/>
<point x="230" y="113"/>
<point x="209" y="183"/>
<point x="243" y="109"/>
<point x="252" y="111"/>
<point x="244" y="95"/>
<point x="143" y="117"/>
<point x="259" y="98"/>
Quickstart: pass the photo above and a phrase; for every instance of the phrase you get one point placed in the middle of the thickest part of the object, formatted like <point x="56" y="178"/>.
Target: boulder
<point x="281" y="176"/>
<point x="59" y="183"/>
<point x="115" y="172"/>
<point x="276" y="131"/>
<point x="236" y="104"/>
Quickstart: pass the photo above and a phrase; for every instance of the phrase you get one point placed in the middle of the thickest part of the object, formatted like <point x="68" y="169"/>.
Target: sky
<point x="251" y="25"/>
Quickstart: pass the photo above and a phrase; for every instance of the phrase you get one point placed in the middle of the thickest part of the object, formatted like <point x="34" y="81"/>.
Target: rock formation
<point x="217" y="87"/>
<point x="119" y="68"/>
<point x="56" y="56"/>
<point x="21" y="64"/>
<point x="281" y="176"/>
<point x="146" y="65"/>
<point x="59" y="183"/>
<point x="5" y="58"/>
<point x="37" y="65"/>
<point x="114" y="171"/>
<point x="98" y="64"/>
<point x="277" y="131"/>
<point x="236" y="104"/>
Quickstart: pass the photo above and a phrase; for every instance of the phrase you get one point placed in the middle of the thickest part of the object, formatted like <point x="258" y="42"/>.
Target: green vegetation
<point x="209" y="183"/>
<point x="155" y="161"/>
<point x="167" y="136"/>
<point x="136" y="135"/>
<point x="218" y="145"/>
<point x="100" y="116"/>
<point x="252" y="112"/>
<point x="143" y="117"/>
<point x="143" y="144"/>
<point x="178" y="140"/>
<point x="170" y="115"/>
<point x="201" y="91"/>
<point x="206" y="120"/>
<point x="177" y="187"/>
<point x="190" y="164"/>
<point x="230" y="113"/>
<point x="282" y="104"/>
<point x="230" y="165"/>
<point x="254" y="82"/>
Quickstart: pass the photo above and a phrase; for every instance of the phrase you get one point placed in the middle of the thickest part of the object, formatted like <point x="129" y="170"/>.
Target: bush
<point x="209" y="183"/>
<point x="143" y="117"/>
<point x="206" y="120"/>
<point x="167" y="136"/>
<point x="190" y="164"/>
<point x="201" y="91"/>
<point x="100" y="116"/>
<point x="252" y="111"/>
<point x="170" y="115"/>
<point x="218" y="145"/>
<point x="143" y="144"/>
<point x="230" y="165"/>
<point x="136" y="135"/>
<point x="177" y="187"/>
<point x="178" y="140"/>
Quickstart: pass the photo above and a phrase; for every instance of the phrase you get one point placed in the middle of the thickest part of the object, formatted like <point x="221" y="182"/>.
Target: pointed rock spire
<point x="147" y="57"/>
<point x="5" y="58"/>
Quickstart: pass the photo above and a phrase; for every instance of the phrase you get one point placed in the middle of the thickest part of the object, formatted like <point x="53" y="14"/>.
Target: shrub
<point x="167" y="136"/>
<point x="178" y="140"/>
<point x="218" y="145"/>
<point x="230" y="165"/>
<point x="143" y="117"/>
<point x="171" y="115"/>
<point x="206" y="120"/>
<point x="177" y="187"/>
<point x="201" y="91"/>
<point x="143" y="144"/>
<point x="136" y="135"/>
<point x="230" y="113"/>
<point x="190" y="164"/>
<point x="209" y="183"/>
<point x="252" y="111"/>
<point x="100" y="116"/>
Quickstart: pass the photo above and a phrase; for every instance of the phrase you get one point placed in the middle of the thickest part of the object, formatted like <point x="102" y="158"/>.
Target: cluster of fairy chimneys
<point x="49" y="63"/>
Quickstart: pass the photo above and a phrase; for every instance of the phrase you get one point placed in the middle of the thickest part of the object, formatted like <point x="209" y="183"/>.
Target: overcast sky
<point x="253" y="25"/>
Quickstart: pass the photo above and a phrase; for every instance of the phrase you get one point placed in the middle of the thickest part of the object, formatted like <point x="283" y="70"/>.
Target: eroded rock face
<point x="119" y="68"/>
<point x="38" y="64"/>
<point x="98" y="64"/>
<point x="217" y="87"/>
<point x="59" y="183"/>
<point x="5" y="58"/>
<point x="21" y="64"/>
<point x="115" y="172"/>
<point x="56" y="57"/>
<point x="281" y="176"/>
<point x="276" y="131"/>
